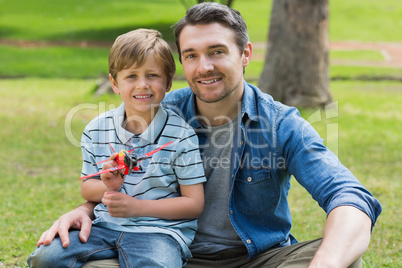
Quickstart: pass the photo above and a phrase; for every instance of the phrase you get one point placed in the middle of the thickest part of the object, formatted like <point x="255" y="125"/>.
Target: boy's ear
<point x="114" y="84"/>
<point x="169" y="85"/>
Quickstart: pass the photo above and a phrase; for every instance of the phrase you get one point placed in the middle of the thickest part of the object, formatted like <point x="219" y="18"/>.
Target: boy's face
<point x="142" y="88"/>
<point x="212" y="62"/>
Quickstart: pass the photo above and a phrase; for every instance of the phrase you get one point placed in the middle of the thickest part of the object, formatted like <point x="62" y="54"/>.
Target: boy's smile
<point x="142" y="96"/>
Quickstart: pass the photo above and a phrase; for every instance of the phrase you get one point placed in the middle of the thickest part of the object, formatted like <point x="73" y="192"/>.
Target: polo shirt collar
<point x="149" y="135"/>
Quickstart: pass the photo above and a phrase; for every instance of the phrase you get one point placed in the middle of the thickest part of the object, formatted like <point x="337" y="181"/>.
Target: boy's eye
<point x="132" y="76"/>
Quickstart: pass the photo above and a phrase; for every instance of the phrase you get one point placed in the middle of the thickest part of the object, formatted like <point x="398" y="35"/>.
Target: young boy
<point x="147" y="218"/>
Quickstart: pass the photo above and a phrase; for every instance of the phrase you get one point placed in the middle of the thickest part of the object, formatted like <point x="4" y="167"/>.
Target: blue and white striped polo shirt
<point x="160" y="175"/>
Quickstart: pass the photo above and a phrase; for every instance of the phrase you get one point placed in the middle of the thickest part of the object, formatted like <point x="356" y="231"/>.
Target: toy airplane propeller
<point x="126" y="161"/>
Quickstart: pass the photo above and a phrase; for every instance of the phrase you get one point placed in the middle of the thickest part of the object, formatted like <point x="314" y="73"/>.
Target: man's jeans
<point x="295" y="256"/>
<point x="131" y="249"/>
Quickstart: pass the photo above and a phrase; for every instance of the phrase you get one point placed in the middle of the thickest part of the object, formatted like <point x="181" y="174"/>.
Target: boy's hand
<point x="114" y="179"/>
<point x="121" y="205"/>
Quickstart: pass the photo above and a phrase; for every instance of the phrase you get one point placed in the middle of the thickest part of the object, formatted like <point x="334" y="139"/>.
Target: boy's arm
<point x="189" y="205"/>
<point x="94" y="189"/>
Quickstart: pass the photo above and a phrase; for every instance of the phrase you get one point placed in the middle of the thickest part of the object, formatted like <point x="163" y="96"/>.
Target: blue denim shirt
<point x="272" y="143"/>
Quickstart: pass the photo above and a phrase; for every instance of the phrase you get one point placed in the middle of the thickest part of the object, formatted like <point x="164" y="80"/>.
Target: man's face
<point x="212" y="62"/>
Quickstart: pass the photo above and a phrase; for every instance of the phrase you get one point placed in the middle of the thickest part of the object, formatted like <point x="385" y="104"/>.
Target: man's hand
<point x="79" y="218"/>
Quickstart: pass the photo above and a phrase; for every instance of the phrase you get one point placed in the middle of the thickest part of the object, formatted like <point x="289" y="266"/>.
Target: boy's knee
<point x="42" y="257"/>
<point x="46" y="256"/>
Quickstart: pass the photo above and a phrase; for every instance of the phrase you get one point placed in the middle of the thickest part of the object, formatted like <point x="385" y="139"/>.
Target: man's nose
<point x="205" y="65"/>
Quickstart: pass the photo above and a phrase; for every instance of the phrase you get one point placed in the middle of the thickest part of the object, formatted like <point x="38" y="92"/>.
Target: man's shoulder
<point x="264" y="102"/>
<point x="177" y="96"/>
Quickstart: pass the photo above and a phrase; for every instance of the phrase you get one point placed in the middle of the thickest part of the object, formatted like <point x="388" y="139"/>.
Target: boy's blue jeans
<point x="132" y="250"/>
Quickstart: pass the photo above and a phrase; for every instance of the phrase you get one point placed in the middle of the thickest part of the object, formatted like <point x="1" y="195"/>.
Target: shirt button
<point x="248" y="241"/>
<point x="249" y="179"/>
<point x="241" y="142"/>
<point x="232" y="175"/>
<point x="231" y="212"/>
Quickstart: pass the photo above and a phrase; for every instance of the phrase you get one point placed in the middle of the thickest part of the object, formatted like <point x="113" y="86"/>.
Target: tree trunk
<point x="296" y="69"/>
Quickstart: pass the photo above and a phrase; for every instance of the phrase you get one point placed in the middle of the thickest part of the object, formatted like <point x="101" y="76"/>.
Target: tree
<point x="296" y="68"/>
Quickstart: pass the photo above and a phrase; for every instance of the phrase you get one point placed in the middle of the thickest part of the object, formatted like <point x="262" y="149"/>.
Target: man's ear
<point x="247" y="52"/>
<point x="114" y="84"/>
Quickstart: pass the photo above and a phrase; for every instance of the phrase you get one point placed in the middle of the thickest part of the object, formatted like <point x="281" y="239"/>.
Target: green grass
<point x="42" y="166"/>
<point x="85" y="20"/>
<point x="40" y="175"/>
<point x="75" y="62"/>
<point x="53" y="62"/>
<point x="89" y="20"/>
<point x="368" y="20"/>
<point x="104" y="20"/>
<point x="61" y="62"/>
<point x="364" y="20"/>
<point x="369" y="126"/>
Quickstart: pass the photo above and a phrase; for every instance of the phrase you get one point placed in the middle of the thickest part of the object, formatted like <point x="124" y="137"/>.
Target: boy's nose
<point x="143" y="83"/>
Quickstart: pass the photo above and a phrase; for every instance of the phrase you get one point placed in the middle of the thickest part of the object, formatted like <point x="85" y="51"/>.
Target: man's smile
<point x="209" y="81"/>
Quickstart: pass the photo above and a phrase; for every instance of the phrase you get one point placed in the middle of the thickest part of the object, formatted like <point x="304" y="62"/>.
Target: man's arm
<point x="346" y="237"/>
<point x="79" y="218"/>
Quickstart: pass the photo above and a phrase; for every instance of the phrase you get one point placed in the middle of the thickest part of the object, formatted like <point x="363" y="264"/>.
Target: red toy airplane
<point x="126" y="161"/>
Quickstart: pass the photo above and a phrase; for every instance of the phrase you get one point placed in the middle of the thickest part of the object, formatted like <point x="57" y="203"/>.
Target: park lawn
<point x="87" y="20"/>
<point x="363" y="20"/>
<point x="80" y="62"/>
<point x="43" y="120"/>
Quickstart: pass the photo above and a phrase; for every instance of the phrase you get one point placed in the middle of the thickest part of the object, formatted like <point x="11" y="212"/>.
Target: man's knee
<point x="357" y="263"/>
<point x="107" y="263"/>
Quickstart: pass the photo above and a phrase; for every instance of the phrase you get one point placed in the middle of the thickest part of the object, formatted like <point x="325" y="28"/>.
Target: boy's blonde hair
<point x="133" y="47"/>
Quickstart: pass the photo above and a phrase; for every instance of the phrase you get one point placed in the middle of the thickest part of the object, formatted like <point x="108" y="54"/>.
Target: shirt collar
<point x="248" y="107"/>
<point x="191" y="117"/>
<point x="249" y="103"/>
<point x="149" y="135"/>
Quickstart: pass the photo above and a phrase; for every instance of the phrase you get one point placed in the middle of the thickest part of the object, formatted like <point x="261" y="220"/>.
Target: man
<point x="251" y="146"/>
